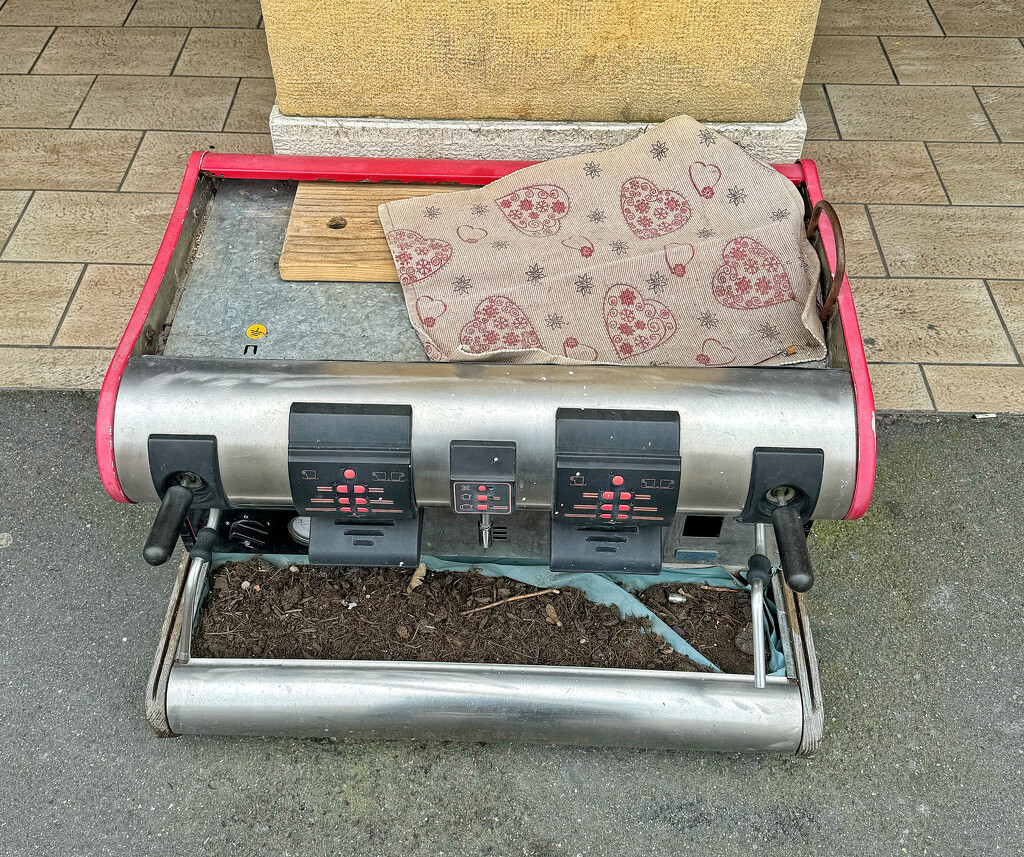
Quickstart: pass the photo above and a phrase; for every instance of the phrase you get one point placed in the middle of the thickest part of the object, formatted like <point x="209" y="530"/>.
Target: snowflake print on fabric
<point x="555" y="321"/>
<point x="479" y="209"/>
<point x="635" y="324"/>
<point x="536" y="210"/>
<point x="659" y="151"/>
<point x="500" y="245"/>
<point x="707" y="137"/>
<point x="737" y="195"/>
<point x="498" y="324"/>
<point x="656" y="282"/>
<point x="535" y="273"/>
<point x="651" y="211"/>
<point x="768" y="331"/>
<point x="705" y="233"/>
<point x="591" y="169"/>
<point x="596" y="216"/>
<point x="461" y="285"/>
<point x="431" y="211"/>
<point x="584" y="285"/>
<point x="619" y="248"/>
<point x="779" y="215"/>
<point x="750" y="277"/>
<point x="708" y="320"/>
<point x="417" y="257"/>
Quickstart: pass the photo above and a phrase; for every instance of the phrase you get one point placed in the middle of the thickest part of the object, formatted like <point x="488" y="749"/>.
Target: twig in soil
<point x="510" y="599"/>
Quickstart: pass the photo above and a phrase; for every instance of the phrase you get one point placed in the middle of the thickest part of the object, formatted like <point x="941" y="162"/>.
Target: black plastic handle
<point x="793" y="555"/>
<point x="169" y="518"/>
<point x="759" y="567"/>
<point x="206" y="538"/>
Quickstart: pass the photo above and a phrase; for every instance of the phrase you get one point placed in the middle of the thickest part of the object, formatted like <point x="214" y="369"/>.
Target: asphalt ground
<point x="917" y="618"/>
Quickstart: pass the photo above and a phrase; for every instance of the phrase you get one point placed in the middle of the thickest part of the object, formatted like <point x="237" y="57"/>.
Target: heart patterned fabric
<point x="676" y="249"/>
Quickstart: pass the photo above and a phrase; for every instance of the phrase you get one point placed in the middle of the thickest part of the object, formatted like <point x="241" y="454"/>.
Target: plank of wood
<point x="334" y="233"/>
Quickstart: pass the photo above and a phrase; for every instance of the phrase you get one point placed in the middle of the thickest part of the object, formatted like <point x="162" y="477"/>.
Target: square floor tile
<point x="43" y="159"/>
<point x="896" y="172"/>
<point x="19" y="47"/>
<point x="847" y="59"/>
<point x="977" y="389"/>
<point x="874" y="17"/>
<point x="1005" y="108"/>
<point x="226" y="53"/>
<point x="969" y="62"/>
<point x="981" y="173"/>
<point x="195" y="13"/>
<point x="111" y="50"/>
<point x="819" y="119"/>
<point x="64" y="13"/>
<point x="160" y="163"/>
<point x="251" y="108"/>
<point x="909" y="113"/>
<point x="899" y="387"/>
<point x="53" y="368"/>
<point x="102" y="306"/>
<point x="862" y="257"/>
<point x="162" y="103"/>
<point x="1009" y="298"/>
<point x="951" y="241"/>
<point x="980" y="17"/>
<point x="930" y="321"/>
<point x="12" y="204"/>
<point x="65" y="226"/>
<point x="28" y="101"/>
<point x="33" y="298"/>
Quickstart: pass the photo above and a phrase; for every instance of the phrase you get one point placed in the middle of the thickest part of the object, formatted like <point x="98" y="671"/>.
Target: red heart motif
<point x="536" y="210"/>
<point x="714" y="353"/>
<point x="704" y="177"/>
<point x="498" y="324"/>
<point x="636" y="324"/>
<point x="677" y="257"/>
<point x="417" y="257"/>
<point x="651" y="212"/>
<point x="575" y="350"/>
<point x="584" y="245"/>
<point x="471" y="234"/>
<point x="430" y="310"/>
<point x="751" y="277"/>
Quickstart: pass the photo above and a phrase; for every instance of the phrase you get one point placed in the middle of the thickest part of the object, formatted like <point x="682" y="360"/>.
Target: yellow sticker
<point x="255" y="331"/>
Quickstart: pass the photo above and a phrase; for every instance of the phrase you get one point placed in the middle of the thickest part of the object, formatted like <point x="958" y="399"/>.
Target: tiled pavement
<point x="915" y="113"/>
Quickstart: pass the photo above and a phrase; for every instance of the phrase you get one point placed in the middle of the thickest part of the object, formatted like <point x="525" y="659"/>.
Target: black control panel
<point x="617" y="467"/>
<point x="351" y="461"/>
<point x="483" y="477"/>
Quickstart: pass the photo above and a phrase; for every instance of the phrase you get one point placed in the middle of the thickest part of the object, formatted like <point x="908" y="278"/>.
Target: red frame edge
<point x="303" y="168"/>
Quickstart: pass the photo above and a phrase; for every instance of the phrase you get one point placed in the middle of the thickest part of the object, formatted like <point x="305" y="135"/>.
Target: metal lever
<point x="759" y="576"/>
<point x="169" y="517"/>
<point x="486" y="531"/>
<point x="201" y="558"/>
<point x="793" y="555"/>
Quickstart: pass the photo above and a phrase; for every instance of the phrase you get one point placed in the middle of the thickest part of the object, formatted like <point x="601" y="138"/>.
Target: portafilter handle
<point x="169" y="517"/>
<point x="792" y="542"/>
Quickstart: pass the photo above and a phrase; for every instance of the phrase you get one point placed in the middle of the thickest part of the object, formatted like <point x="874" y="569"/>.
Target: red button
<point x="359" y="489"/>
<point x="360" y="501"/>
<point x="607" y="507"/>
<point x="482" y="507"/>
<point x="623" y="508"/>
<point x="625" y="495"/>
<point x="608" y="495"/>
<point x="481" y="487"/>
<point x="481" y="496"/>
<point x="606" y="516"/>
<point x="343" y="489"/>
<point x="617" y="480"/>
<point x="349" y="474"/>
<point x="623" y="517"/>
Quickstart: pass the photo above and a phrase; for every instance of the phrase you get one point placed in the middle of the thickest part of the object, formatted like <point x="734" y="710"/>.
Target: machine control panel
<point x="483" y="475"/>
<point x="351" y="461"/>
<point x="617" y="467"/>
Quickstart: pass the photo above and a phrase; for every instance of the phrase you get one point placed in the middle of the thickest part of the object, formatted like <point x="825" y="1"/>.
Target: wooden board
<point x="334" y="232"/>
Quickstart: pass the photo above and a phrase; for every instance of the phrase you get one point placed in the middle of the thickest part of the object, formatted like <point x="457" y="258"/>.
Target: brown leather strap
<point x="837" y="232"/>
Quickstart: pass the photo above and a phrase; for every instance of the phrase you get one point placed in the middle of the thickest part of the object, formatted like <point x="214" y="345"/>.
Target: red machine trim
<point x="300" y="168"/>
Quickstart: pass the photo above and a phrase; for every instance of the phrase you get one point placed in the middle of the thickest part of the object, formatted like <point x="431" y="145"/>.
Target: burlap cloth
<point x="678" y="249"/>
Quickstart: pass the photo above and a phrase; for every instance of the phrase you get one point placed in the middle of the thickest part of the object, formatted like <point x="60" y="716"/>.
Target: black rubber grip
<point x="793" y="555"/>
<point x="167" y="524"/>
<point x="759" y="567"/>
<point x="206" y="538"/>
